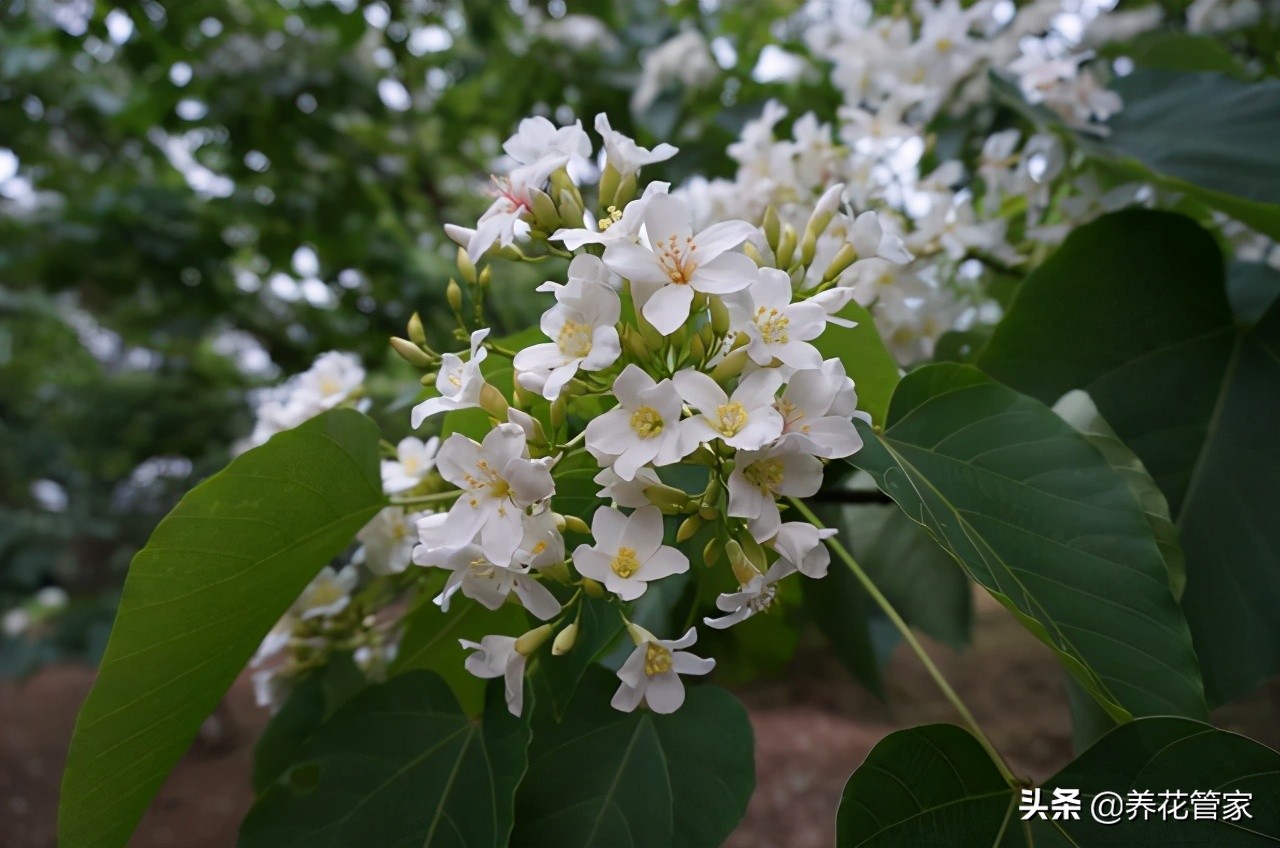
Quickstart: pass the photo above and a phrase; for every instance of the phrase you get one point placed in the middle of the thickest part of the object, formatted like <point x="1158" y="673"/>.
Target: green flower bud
<point x="417" y="334"/>
<point x="411" y="353"/>
<point x="565" y="640"/>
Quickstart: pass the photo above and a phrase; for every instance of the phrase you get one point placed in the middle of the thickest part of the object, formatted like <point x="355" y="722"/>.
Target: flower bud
<point x="565" y="640"/>
<point x="711" y="552"/>
<point x="652" y="338"/>
<point x="743" y="570"/>
<point x="544" y="211"/>
<point x="844" y="257"/>
<point x="521" y="396"/>
<point x="557" y="411"/>
<point x="492" y="402"/>
<point x="719" y="316"/>
<point x="453" y="294"/>
<point x="634" y="342"/>
<point x="570" y="208"/>
<point x="411" y="353"/>
<point x="638" y="634"/>
<point x="689" y="528"/>
<point x="485" y="276"/>
<point x="698" y="348"/>
<point x="574" y="524"/>
<point x="532" y="641"/>
<point x="808" y="248"/>
<point x="753" y="254"/>
<point x="417" y="334"/>
<point x="466" y="267"/>
<point x="786" y="247"/>
<point x="626" y="191"/>
<point x="609" y="179"/>
<point x="772" y="227"/>
<point x="731" y="366"/>
<point x="561" y="181"/>
<point x="592" y="588"/>
<point x="429" y="379"/>
<point x="666" y="498"/>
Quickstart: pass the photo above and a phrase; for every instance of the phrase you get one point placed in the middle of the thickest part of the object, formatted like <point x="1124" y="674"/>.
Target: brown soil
<point x="812" y="730"/>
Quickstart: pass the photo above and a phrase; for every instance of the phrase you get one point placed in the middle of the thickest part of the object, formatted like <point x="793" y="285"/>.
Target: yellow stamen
<point x="773" y="325"/>
<point x="764" y="474"/>
<point x="574" y="340"/>
<point x="646" y="422"/>
<point x="730" y="419"/>
<point x="657" y="659"/>
<point x="625" y="563"/>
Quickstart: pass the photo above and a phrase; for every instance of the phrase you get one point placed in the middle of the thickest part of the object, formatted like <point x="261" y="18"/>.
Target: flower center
<point x="481" y="569"/>
<point x="539" y="547"/>
<point x="764" y="474"/>
<point x="614" y="216"/>
<point x="764" y="600"/>
<point x="646" y="422"/>
<point x="730" y="419"/>
<point x="574" y="340"/>
<point x="657" y="659"/>
<point x="326" y="593"/>
<point x="625" y="563"/>
<point x="329" y="386"/>
<point x="773" y="325"/>
<point x="676" y="260"/>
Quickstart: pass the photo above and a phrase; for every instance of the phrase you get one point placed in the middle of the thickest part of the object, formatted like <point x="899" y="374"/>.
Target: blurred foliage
<point x="197" y="197"/>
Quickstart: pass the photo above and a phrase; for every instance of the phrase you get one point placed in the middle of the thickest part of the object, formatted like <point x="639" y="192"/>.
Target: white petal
<point x="665" y="692"/>
<point x="668" y="308"/>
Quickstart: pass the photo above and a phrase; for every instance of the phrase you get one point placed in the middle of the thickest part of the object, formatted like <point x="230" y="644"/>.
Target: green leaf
<point x="1138" y="300"/>
<point x="1168" y="50"/>
<point x="599" y="626"/>
<point x="400" y="764"/>
<point x="606" y="779"/>
<point x="1036" y="515"/>
<point x="1078" y="410"/>
<point x="935" y="785"/>
<point x="866" y="360"/>
<point x="1207" y="134"/>
<point x="430" y="640"/>
<point x="217" y="573"/>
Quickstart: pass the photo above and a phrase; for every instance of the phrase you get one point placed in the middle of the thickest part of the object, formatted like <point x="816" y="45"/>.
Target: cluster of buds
<point x="666" y="346"/>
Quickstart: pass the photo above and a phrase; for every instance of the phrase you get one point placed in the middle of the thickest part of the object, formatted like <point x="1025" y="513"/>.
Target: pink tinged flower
<point x="621" y="225"/>
<point x="498" y="485"/>
<point x="414" y="461"/>
<point x="800" y="544"/>
<point x="488" y="583"/>
<point x="644" y="427"/>
<point x="652" y="673"/>
<point x="674" y="263"/>
<point x="806" y="409"/>
<point x="746" y="421"/>
<point x="582" y="326"/>
<point x="628" y="552"/>
<point x="757" y="595"/>
<point x="624" y="154"/>
<point x="775" y="327"/>
<point x="628" y="493"/>
<point x="459" y="382"/>
<point x="496" y="656"/>
<point x="760" y="477"/>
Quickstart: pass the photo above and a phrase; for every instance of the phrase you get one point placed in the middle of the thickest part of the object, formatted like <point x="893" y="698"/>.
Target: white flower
<point x="760" y="477"/>
<point x="504" y="220"/>
<point x="328" y="594"/>
<point x="809" y="423"/>
<point x="538" y="142"/>
<point x="757" y="595"/>
<point x="800" y="545"/>
<point x="414" y="461"/>
<point x="674" y="263"/>
<point x="333" y="378"/>
<point x="624" y="154"/>
<point x="498" y="484"/>
<point x="652" y="673"/>
<point x="15" y="622"/>
<point x="459" y="382"/>
<point x="870" y="239"/>
<point x="685" y="58"/>
<point x="777" y="328"/>
<point x="485" y="581"/>
<point x="628" y="493"/>
<point x="496" y="656"/>
<point x="541" y="546"/>
<point x="582" y="324"/>
<point x="643" y="428"/>
<point x="628" y="552"/>
<point x="746" y="421"/>
<point x="388" y="541"/>
<point x="619" y="226"/>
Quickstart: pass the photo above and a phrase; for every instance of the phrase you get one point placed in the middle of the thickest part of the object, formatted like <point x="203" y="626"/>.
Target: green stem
<point x="843" y="553"/>
<point x="423" y="499"/>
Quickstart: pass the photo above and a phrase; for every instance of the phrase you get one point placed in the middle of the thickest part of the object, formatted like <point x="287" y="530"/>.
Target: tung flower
<point x="628" y="552"/>
<point x="652" y="672"/>
<point x="459" y="382"/>
<point x="643" y="428"/>
<point x="747" y="420"/>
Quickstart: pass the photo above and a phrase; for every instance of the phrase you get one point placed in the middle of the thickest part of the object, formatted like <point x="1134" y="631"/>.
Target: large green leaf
<point x="935" y="785"/>
<point x="401" y="764"/>
<point x="874" y="370"/>
<point x="1205" y="133"/>
<point x="1037" y="516"/>
<point x="1133" y="310"/>
<point x="216" y="575"/>
<point x="605" y="779"/>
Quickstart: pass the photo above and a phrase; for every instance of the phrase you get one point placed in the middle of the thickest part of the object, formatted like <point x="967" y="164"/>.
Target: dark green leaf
<point x="1036" y="515"/>
<point x="936" y="785"/>
<point x="399" y="765"/>
<point x="1138" y="300"/>
<point x="218" y="572"/>
<point x="606" y="779"/>
<point x="598" y="628"/>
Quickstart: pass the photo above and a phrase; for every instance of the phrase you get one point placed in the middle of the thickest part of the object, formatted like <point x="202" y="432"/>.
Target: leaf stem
<point x="422" y="499"/>
<point x="843" y="553"/>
